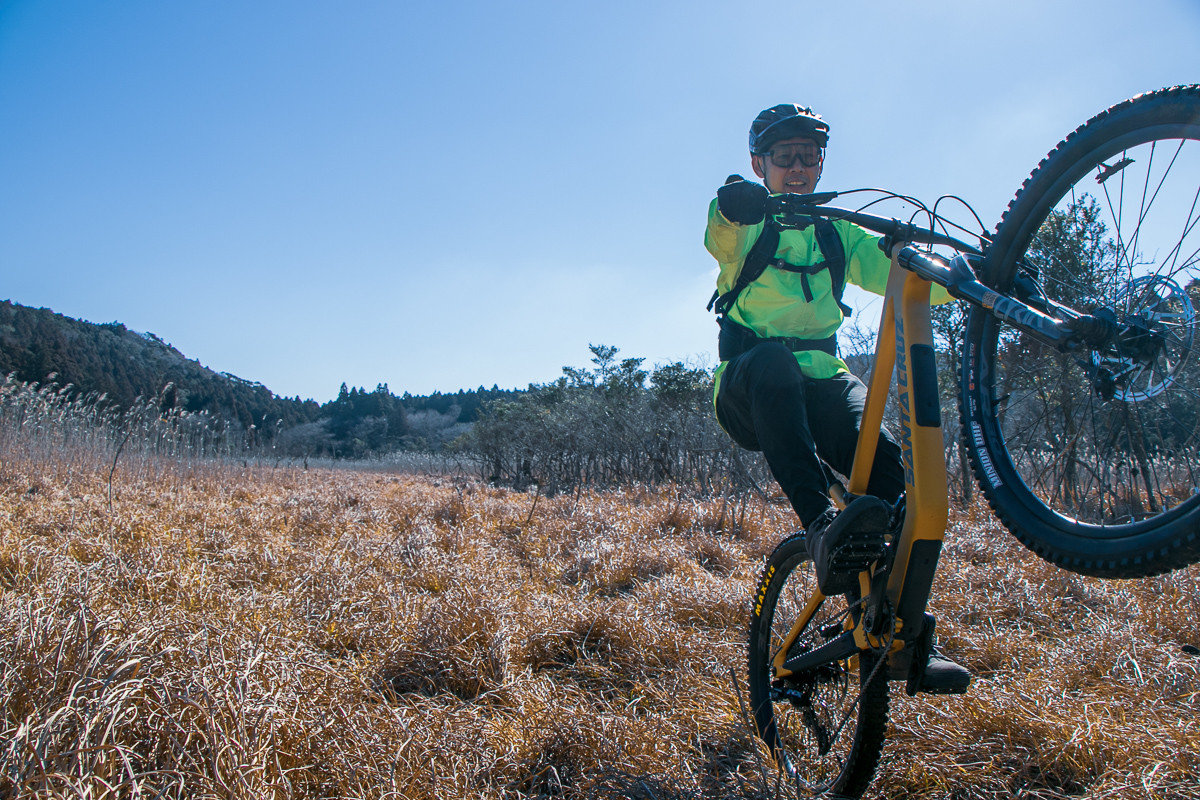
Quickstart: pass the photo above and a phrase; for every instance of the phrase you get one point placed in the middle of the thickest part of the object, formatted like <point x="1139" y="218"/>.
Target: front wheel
<point x="824" y="727"/>
<point x="1091" y="457"/>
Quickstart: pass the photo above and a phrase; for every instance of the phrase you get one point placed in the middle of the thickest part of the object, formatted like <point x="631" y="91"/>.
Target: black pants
<point x="766" y="403"/>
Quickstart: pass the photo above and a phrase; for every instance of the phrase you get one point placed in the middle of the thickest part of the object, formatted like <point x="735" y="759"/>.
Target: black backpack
<point x="762" y="255"/>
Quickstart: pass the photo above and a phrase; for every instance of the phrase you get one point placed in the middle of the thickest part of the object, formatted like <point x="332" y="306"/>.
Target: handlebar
<point x="958" y="274"/>
<point x="790" y="210"/>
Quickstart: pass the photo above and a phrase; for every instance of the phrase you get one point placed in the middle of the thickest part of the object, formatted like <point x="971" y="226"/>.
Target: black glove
<point x="743" y="202"/>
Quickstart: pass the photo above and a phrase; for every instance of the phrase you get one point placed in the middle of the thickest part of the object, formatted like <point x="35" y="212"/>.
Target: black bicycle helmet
<point x="786" y="121"/>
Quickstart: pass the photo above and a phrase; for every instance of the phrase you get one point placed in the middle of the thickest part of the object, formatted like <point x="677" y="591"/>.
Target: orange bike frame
<point x="905" y="346"/>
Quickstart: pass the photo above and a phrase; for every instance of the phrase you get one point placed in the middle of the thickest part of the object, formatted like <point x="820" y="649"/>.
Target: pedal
<point x="857" y="550"/>
<point x="853" y="540"/>
<point x="922" y="648"/>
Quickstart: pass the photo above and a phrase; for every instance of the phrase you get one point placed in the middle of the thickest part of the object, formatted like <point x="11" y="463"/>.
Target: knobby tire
<point x="1091" y="458"/>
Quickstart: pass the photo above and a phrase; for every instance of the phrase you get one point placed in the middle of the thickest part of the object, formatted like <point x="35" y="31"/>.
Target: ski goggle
<point x="807" y="153"/>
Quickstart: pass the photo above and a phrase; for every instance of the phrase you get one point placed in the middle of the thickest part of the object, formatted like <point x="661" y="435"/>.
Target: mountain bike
<point x="1079" y="408"/>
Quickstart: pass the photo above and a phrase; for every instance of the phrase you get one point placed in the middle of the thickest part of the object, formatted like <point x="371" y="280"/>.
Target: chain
<point x="853" y="709"/>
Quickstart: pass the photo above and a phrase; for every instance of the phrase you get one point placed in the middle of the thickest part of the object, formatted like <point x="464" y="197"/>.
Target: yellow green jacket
<point x="774" y="304"/>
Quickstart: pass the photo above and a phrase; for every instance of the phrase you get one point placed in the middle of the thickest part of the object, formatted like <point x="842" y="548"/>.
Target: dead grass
<point x="260" y="633"/>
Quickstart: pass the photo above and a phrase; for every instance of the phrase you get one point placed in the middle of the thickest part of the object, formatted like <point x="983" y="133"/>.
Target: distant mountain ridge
<point x="38" y="345"/>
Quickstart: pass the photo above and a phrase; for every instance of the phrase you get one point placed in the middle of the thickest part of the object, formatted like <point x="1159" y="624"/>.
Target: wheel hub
<point x="1140" y="359"/>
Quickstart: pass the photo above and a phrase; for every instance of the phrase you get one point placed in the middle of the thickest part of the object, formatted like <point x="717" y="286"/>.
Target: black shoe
<point x="843" y="544"/>
<point x="943" y="676"/>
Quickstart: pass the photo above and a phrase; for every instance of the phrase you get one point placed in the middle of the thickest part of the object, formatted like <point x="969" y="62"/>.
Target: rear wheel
<point x="1091" y="457"/>
<point x="824" y="727"/>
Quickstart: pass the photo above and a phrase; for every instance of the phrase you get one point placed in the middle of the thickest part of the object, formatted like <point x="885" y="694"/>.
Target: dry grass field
<point x="257" y="632"/>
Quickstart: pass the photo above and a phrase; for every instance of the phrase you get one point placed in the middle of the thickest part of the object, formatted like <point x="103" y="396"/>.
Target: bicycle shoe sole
<point x="854" y="554"/>
<point x="943" y="690"/>
<point x="859" y="545"/>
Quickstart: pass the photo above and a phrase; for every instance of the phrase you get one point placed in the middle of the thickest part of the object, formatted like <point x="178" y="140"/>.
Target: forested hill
<point x="40" y="346"/>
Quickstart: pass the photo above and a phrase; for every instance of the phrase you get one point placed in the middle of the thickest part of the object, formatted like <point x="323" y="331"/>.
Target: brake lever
<point x="781" y="203"/>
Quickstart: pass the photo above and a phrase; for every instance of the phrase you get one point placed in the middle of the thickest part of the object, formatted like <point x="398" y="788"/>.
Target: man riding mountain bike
<point x="781" y="388"/>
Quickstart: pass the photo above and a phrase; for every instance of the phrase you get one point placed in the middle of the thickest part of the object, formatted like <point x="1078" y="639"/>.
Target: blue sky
<point x="443" y="196"/>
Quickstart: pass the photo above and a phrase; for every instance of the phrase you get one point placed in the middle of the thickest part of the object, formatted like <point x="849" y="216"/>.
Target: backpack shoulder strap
<point x="761" y="253"/>
<point x="835" y="258"/>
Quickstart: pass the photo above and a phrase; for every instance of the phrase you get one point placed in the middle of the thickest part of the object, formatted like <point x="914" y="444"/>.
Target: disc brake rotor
<point x="1156" y="324"/>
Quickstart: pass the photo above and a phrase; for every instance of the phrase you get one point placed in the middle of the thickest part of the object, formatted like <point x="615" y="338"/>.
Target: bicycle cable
<point x="936" y="221"/>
